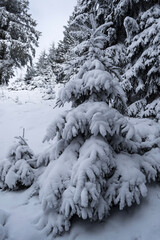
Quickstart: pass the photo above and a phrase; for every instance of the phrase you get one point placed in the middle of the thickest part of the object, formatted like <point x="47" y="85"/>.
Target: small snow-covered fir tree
<point x="45" y="77"/>
<point x="43" y="67"/>
<point x="86" y="173"/>
<point x="53" y="59"/>
<point x="17" y="171"/>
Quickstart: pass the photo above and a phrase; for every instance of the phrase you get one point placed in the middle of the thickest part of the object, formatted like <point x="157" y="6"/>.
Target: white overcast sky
<point x="51" y="16"/>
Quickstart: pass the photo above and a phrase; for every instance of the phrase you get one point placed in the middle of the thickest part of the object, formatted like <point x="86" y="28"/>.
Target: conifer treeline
<point x="132" y="46"/>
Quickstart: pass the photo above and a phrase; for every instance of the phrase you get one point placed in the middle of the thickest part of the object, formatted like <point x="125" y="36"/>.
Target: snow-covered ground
<point x="26" y="109"/>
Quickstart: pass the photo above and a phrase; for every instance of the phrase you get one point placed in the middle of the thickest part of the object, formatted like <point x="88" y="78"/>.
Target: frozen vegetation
<point x="20" y="209"/>
<point x="80" y="132"/>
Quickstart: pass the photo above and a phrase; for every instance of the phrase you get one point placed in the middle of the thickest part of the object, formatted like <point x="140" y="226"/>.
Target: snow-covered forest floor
<point x="26" y="109"/>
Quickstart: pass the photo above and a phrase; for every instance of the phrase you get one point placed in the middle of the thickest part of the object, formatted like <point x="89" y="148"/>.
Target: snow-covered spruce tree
<point x="65" y="53"/>
<point x="17" y="171"/>
<point x="86" y="173"/>
<point x="142" y="82"/>
<point x="72" y="37"/>
<point x="56" y="59"/>
<point x="44" y="69"/>
<point x="52" y="58"/>
<point x="18" y="37"/>
<point x="43" y="76"/>
<point x="69" y="52"/>
<point x="122" y="8"/>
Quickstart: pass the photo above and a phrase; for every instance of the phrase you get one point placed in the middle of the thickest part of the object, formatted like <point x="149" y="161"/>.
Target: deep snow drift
<point x="26" y="109"/>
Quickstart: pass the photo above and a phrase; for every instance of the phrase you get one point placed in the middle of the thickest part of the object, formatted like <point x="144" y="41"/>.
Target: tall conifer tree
<point x="86" y="173"/>
<point x="18" y="37"/>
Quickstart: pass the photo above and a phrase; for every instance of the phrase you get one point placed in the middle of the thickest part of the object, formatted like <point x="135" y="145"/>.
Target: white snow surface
<point x="18" y="210"/>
